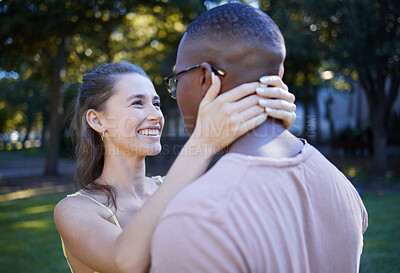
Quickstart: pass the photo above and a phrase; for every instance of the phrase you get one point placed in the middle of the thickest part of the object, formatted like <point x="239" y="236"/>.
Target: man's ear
<point x="94" y="121"/>
<point x="206" y="77"/>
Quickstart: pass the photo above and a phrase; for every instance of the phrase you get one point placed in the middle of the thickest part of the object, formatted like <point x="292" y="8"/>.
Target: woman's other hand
<point x="223" y="119"/>
<point x="278" y="102"/>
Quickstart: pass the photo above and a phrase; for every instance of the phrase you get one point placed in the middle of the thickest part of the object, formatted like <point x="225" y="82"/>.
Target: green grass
<point x="29" y="241"/>
<point x="382" y="238"/>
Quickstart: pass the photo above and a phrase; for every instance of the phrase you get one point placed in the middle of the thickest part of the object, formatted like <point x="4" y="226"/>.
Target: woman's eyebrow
<point x="136" y="96"/>
<point x="156" y="98"/>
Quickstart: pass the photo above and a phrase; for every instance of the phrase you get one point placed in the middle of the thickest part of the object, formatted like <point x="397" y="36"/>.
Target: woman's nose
<point x="155" y="115"/>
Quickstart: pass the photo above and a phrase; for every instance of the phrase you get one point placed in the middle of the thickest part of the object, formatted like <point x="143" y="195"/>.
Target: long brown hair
<point x="96" y="88"/>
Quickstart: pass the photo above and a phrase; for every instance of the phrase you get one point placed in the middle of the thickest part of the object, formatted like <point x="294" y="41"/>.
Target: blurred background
<point x="342" y="64"/>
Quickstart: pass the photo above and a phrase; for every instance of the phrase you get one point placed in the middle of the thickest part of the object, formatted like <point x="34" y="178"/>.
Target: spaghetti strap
<point x="100" y="204"/>
<point x="65" y="254"/>
<point x="66" y="258"/>
<point x="158" y="179"/>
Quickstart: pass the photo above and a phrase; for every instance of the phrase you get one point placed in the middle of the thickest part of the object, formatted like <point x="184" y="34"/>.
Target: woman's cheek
<point x="129" y="127"/>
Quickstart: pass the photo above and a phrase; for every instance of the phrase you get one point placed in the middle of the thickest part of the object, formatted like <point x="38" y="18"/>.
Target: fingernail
<point x="262" y="102"/>
<point x="267" y="109"/>
<point x="263" y="79"/>
<point x="212" y="77"/>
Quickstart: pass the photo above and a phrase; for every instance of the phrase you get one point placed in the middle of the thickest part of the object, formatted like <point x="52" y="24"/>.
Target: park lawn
<point x="29" y="241"/>
<point x="382" y="238"/>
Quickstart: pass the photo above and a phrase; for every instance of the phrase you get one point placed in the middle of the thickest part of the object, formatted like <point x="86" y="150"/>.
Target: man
<point x="273" y="203"/>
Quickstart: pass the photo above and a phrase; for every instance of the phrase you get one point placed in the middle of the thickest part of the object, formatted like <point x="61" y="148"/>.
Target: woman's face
<point x="133" y="119"/>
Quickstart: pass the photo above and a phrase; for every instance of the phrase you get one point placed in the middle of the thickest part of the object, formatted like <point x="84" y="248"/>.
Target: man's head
<point x="237" y="38"/>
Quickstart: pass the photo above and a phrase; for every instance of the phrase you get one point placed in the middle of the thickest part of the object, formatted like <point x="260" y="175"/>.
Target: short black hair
<point x="236" y="21"/>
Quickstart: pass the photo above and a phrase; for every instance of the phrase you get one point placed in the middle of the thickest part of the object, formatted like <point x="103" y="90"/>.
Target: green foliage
<point x="144" y="32"/>
<point x="362" y="35"/>
<point x="358" y="39"/>
<point x="305" y="47"/>
<point x="22" y="103"/>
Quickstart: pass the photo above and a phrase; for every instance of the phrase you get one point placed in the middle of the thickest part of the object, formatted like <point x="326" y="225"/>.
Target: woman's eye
<point x="157" y="104"/>
<point x="137" y="102"/>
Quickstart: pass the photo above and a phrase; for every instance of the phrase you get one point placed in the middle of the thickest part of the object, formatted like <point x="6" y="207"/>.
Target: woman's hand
<point x="223" y="119"/>
<point x="279" y="103"/>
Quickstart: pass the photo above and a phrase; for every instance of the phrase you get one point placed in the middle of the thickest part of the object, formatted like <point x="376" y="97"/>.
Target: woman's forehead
<point x="132" y="84"/>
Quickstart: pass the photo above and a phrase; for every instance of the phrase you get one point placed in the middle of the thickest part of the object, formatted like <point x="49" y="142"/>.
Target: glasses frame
<point x="173" y="77"/>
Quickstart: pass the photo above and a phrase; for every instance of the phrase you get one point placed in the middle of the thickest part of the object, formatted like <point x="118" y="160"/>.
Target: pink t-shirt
<point x="255" y="214"/>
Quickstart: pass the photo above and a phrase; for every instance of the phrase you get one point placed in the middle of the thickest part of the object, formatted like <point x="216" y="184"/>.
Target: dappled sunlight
<point x="352" y="172"/>
<point x="39" y="209"/>
<point x="33" y="192"/>
<point x="18" y="195"/>
<point x="30" y="241"/>
<point x="34" y="224"/>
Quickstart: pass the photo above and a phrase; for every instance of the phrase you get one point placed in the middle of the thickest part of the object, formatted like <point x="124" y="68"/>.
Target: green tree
<point x="364" y="36"/>
<point x="36" y="35"/>
<point x="362" y="39"/>
<point x="305" y="51"/>
<point x="59" y="40"/>
<point x="22" y="103"/>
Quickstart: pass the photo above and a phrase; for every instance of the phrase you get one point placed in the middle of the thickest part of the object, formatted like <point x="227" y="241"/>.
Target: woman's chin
<point x="154" y="152"/>
<point x="151" y="151"/>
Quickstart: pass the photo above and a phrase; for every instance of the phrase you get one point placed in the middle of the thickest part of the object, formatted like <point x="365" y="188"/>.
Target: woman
<point x="107" y="225"/>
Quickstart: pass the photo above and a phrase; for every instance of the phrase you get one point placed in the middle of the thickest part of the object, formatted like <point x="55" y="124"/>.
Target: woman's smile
<point x="150" y="132"/>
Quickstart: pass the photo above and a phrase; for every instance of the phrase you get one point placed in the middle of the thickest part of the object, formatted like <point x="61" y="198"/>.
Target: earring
<point x="102" y="135"/>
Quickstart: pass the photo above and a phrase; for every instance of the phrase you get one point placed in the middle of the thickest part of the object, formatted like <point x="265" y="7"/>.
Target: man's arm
<point x="183" y="243"/>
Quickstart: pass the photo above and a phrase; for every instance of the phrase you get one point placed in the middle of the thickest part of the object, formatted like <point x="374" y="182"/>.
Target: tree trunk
<point x="328" y="104"/>
<point x="45" y="121"/>
<point x="57" y="96"/>
<point x="380" y="104"/>
<point x="379" y="132"/>
<point x="29" y="127"/>
<point x="380" y="146"/>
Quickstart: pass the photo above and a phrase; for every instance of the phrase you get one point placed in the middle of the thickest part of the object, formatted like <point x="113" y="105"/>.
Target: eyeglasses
<point x="172" y="81"/>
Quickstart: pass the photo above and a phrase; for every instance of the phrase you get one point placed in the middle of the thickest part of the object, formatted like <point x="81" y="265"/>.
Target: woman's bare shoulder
<point x="72" y="203"/>
<point x="72" y="210"/>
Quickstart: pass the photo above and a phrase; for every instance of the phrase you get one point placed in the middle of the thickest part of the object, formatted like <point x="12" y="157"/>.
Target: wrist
<point x="205" y="139"/>
<point x="199" y="147"/>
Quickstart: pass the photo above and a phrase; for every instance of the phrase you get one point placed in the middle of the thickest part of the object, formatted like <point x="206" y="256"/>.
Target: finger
<point x="213" y="90"/>
<point x="275" y="93"/>
<point x="240" y="92"/>
<point x="273" y="81"/>
<point x="249" y="113"/>
<point x="243" y="104"/>
<point x="251" y="124"/>
<point x="287" y="117"/>
<point x="278" y="104"/>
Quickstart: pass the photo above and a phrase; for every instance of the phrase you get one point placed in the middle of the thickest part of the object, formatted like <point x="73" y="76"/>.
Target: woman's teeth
<point x="149" y="132"/>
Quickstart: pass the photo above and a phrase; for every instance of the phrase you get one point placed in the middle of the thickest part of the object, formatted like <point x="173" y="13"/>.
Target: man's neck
<point x="270" y="139"/>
